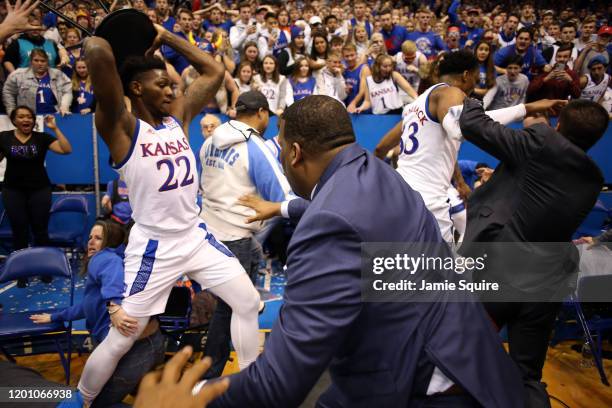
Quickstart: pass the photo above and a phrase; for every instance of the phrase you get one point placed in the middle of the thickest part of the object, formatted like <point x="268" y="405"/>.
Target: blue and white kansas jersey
<point x="160" y="172"/>
<point x="427" y="152"/>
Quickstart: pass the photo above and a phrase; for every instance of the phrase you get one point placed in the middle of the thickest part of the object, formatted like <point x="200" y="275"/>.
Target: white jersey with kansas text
<point x="427" y="153"/>
<point x="160" y="172"/>
<point x="384" y="96"/>
<point x="594" y="92"/>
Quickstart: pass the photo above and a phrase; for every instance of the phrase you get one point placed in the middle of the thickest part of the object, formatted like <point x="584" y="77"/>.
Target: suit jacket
<point x="379" y="354"/>
<point x="541" y="191"/>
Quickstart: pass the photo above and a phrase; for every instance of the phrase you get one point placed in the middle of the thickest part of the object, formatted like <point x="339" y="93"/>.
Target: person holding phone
<point x="244" y="30"/>
<point x="560" y="83"/>
<point x="27" y="189"/>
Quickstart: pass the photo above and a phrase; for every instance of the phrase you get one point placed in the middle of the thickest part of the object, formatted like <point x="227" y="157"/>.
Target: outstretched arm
<point x="389" y="141"/>
<point x="114" y="122"/>
<point x="203" y="89"/>
<point x="498" y="140"/>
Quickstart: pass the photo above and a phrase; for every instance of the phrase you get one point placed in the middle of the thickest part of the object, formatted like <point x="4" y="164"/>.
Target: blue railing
<point x="78" y="167"/>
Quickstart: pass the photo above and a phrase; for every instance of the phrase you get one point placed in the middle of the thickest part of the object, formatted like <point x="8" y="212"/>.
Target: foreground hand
<point x="126" y="325"/>
<point x="16" y="20"/>
<point x="545" y="105"/>
<point x="169" y="389"/>
<point x="41" y="318"/>
<point x="263" y="209"/>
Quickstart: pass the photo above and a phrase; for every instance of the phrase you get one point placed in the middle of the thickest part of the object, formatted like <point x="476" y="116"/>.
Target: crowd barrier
<point x="89" y="161"/>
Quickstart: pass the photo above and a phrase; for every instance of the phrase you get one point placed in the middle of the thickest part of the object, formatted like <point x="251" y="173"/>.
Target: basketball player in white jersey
<point x="429" y="136"/>
<point x="150" y="149"/>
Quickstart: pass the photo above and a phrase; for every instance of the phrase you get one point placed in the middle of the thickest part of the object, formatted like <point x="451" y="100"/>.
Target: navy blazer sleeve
<point x="322" y="300"/>
<point x="297" y="207"/>
<point x="505" y="144"/>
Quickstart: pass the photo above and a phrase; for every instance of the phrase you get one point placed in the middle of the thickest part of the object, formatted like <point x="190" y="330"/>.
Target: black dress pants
<point x="28" y="210"/>
<point x="529" y="326"/>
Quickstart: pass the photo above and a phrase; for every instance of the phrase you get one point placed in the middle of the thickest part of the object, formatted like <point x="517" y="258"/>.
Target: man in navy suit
<point x="383" y="354"/>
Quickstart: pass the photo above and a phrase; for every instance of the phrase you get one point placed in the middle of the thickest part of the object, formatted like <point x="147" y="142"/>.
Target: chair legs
<point x="65" y="359"/>
<point x="7" y="355"/>
<point x="596" y="348"/>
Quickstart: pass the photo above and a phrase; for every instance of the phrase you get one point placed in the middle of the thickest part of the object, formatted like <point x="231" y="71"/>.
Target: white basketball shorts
<point x="154" y="262"/>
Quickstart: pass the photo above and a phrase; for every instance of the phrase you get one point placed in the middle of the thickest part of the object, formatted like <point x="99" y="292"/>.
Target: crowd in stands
<point x="374" y="56"/>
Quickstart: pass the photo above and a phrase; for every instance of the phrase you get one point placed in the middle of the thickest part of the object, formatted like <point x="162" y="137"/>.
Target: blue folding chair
<point x="15" y="327"/>
<point x="6" y="233"/>
<point x="68" y="222"/>
<point x="595" y="291"/>
<point x="178" y="310"/>
<point x="594" y="222"/>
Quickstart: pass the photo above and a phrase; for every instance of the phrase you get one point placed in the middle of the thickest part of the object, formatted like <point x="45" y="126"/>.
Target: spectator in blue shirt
<point x="532" y="58"/>
<point x="83" y="100"/>
<point x="470" y="33"/>
<point x="360" y="18"/>
<point x="163" y="15"/>
<point x="507" y="36"/>
<point x="178" y="61"/>
<point x="216" y="21"/>
<point x="393" y="34"/>
<point x="103" y="265"/>
<point x="428" y="42"/>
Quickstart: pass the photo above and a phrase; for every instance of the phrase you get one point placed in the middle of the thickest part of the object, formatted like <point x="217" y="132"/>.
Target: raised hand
<point x="158" y="41"/>
<point x="17" y="18"/>
<point x="168" y="388"/>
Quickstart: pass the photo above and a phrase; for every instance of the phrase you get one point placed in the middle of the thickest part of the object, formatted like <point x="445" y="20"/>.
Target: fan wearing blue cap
<point x="295" y="50"/>
<point x="595" y="83"/>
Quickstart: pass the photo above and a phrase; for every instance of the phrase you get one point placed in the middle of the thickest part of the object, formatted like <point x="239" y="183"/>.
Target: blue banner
<point x="78" y="167"/>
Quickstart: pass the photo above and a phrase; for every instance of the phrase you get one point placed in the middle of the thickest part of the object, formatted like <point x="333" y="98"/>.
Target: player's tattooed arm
<point x="113" y="120"/>
<point x="203" y="89"/>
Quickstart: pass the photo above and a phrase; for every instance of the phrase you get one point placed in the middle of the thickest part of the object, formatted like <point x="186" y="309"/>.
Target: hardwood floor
<point x="576" y="386"/>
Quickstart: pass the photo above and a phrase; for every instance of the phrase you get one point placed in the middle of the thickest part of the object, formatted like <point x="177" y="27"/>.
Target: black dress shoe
<point x="22" y="282"/>
<point x="46" y="278"/>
